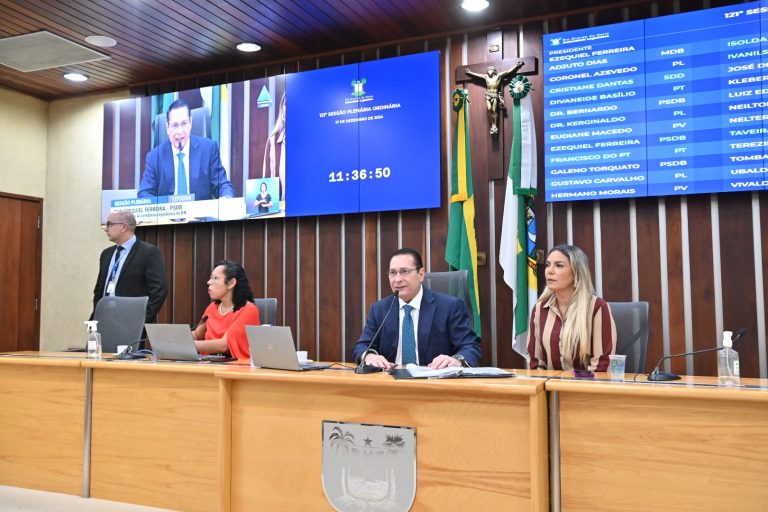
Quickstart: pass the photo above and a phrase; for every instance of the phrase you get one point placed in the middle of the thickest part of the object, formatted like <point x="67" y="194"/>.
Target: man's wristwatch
<point x="460" y="358"/>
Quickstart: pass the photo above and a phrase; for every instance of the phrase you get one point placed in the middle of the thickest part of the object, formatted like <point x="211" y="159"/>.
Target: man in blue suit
<point x="185" y="163"/>
<point x="425" y="328"/>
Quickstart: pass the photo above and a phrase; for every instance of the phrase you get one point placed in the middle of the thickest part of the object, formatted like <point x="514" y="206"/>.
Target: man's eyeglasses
<point x="403" y="272"/>
<point x="183" y="125"/>
<point x="110" y="224"/>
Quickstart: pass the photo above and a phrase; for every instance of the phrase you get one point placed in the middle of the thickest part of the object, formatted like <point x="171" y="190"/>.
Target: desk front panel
<point x="155" y="435"/>
<point x="42" y="404"/>
<point x="480" y="445"/>
<point x="629" y="447"/>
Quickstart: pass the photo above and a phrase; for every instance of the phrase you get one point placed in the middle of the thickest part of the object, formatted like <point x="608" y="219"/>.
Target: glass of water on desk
<point x="616" y="366"/>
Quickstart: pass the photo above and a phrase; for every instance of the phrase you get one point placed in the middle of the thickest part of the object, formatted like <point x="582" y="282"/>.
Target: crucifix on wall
<point x="494" y="82"/>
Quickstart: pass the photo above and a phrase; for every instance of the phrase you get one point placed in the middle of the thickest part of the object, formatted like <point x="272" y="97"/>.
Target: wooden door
<point x="20" y="269"/>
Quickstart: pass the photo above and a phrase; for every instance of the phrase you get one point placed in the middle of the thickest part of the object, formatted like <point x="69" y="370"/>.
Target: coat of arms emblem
<point x="369" y="467"/>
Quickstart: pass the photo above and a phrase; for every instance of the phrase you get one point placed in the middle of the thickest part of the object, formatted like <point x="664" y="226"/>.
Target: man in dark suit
<point x="130" y="268"/>
<point x="185" y="163"/>
<point x="424" y="327"/>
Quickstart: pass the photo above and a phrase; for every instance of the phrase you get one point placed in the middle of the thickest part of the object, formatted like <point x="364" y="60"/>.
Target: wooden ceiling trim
<point x="204" y="28"/>
<point x="253" y="25"/>
<point x="119" y="22"/>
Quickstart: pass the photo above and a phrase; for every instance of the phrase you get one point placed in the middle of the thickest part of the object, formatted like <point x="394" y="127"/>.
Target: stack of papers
<point x="422" y="372"/>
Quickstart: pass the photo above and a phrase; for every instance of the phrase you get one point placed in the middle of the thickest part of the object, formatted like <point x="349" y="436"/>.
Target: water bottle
<point x="727" y="362"/>
<point x="94" y="340"/>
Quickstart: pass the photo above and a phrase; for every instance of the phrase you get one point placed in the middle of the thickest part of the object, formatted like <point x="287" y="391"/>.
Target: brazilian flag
<point x="461" y="248"/>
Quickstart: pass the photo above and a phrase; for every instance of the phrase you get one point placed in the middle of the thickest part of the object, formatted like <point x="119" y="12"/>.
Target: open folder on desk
<point x="412" y="371"/>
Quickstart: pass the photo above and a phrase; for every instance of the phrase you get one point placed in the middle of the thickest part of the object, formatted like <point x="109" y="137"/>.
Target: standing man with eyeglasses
<point x="131" y="267"/>
<point x="185" y="163"/>
<point x="424" y="327"/>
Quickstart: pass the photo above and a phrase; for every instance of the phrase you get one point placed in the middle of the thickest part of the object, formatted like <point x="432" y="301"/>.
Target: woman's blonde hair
<point x="575" y="334"/>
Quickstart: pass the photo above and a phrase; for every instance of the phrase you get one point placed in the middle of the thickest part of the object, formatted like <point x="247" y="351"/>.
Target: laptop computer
<point x="173" y="342"/>
<point x="273" y="347"/>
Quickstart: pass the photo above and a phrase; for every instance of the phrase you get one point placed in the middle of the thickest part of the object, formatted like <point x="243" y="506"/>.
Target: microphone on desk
<point x="369" y="368"/>
<point x="657" y="376"/>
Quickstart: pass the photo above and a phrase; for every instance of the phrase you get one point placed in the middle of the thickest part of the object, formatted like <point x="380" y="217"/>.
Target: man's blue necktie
<point x="181" y="175"/>
<point x="409" y="337"/>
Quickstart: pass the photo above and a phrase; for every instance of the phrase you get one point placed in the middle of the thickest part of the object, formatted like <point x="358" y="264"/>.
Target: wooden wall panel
<point x="306" y="332"/>
<point x="616" y="251"/>
<point x="649" y="273"/>
<point x="329" y="279"/>
<point x="303" y="262"/>
<point x="287" y="313"/>
<point x="353" y="272"/>
<point x="254" y="242"/>
<point x="738" y="274"/>
<point x="388" y="243"/>
<point x="275" y="265"/>
<point x="233" y="241"/>
<point x="674" y="276"/>
<point x="203" y="266"/>
<point x="183" y="275"/>
<point x="702" y="282"/>
<point x="372" y="270"/>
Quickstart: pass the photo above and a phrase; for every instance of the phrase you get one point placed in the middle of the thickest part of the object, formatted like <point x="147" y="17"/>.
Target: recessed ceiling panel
<point x="43" y="50"/>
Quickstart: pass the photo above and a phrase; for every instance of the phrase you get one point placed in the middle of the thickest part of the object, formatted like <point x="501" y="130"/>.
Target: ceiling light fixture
<point x="75" y="77"/>
<point x="101" y="41"/>
<point x="474" y="5"/>
<point x="248" y="47"/>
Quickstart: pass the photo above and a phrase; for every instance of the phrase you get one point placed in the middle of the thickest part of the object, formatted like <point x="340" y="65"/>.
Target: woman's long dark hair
<point x="241" y="293"/>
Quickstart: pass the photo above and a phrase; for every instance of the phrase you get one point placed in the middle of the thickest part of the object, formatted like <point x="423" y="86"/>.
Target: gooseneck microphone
<point x="369" y="368"/>
<point x="657" y="376"/>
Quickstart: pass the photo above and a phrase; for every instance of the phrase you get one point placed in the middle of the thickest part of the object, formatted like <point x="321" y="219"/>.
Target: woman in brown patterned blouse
<point x="570" y="328"/>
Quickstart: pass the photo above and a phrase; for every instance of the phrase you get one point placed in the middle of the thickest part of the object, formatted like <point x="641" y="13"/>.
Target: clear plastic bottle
<point x="727" y="362"/>
<point x="94" y="340"/>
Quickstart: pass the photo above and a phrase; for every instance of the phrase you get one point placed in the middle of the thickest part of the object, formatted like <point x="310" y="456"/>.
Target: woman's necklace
<point x="223" y="312"/>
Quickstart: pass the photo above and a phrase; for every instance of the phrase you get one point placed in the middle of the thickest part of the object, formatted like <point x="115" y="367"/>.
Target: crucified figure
<point x="494" y="99"/>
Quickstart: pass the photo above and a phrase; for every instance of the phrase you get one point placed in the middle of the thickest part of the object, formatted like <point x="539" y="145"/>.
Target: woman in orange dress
<point x="222" y="327"/>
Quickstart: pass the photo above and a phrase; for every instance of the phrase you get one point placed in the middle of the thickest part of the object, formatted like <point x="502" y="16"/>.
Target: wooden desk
<point x="676" y="446"/>
<point x="42" y="404"/>
<point x="481" y="443"/>
<point x="155" y="434"/>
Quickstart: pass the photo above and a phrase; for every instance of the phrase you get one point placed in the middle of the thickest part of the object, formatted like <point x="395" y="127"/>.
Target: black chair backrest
<point x="121" y="320"/>
<point x="631" y="320"/>
<point x="454" y="283"/>
<point x="267" y="310"/>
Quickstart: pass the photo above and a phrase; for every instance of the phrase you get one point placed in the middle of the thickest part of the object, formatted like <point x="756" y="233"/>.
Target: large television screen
<point x="665" y="106"/>
<point x="363" y="137"/>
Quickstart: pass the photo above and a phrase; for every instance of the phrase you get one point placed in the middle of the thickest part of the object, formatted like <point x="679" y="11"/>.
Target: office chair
<point x="453" y="283"/>
<point x="121" y="320"/>
<point x="631" y="320"/>
<point x="267" y="310"/>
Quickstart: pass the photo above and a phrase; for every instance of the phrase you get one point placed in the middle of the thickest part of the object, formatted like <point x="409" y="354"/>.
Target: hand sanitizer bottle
<point x="727" y="362"/>
<point x="94" y="340"/>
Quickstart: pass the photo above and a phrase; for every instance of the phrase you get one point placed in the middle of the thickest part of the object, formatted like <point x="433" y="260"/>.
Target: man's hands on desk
<point x="441" y="361"/>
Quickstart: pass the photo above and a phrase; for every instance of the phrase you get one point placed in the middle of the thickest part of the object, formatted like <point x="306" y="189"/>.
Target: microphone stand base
<point x="662" y="376"/>
<point x="367" y="368"/>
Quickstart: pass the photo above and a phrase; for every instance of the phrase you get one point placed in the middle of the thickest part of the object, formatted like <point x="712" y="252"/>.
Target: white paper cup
<point x="616" y="366"/>
<point x="302" y="355"/>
